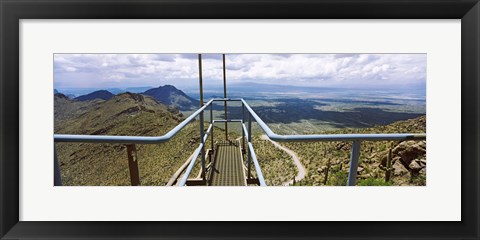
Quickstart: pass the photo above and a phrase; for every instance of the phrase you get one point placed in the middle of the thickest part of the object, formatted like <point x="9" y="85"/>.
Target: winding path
<point x="296" y="160"/>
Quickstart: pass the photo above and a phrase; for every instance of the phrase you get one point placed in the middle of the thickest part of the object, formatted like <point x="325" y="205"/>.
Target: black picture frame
<point x="12" y="11"/>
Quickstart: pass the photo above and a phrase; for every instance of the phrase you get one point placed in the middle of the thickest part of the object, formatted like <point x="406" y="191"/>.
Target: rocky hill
<point x="125" y="114"/>
<point x="101" y="94"/>
<point x="171" y="96"/>
<point x="66" y="108"/>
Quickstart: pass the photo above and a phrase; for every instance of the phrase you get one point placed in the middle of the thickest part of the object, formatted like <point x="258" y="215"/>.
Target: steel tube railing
<point x="187" y="173"/>
<point x="331" y="137"/>
<point x="352" y="175"/>
<point x="203" y="146"/>
<point x="244" y="129"/>
<point x="129" y="139"/>
<point x="243" y="133"/>
<point x="261" y="123"/>
<point x="184" y="179"/>
<point x="257" y="166"/>
<point x="211" y="122"/>
<point x="228" y="99"/>
<point x="57" y="175"/>
<point x="228" y="120"/>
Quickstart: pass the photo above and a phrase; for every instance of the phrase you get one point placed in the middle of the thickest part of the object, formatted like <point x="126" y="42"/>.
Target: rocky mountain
<point x="101" y="94"/>
<point x="170" y="95"/>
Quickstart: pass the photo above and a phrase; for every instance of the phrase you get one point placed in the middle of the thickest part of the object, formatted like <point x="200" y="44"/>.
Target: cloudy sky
<point x="181" y="70"/>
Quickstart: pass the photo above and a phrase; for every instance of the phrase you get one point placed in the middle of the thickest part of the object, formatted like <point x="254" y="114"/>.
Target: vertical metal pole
<point x="243" y="112"/>
<point x="57" y="176"/>
<point x="201" y="116"/>
<point x="352" y="176"/>
<point x="243" y="132"/>
<point x="200" y="78"/>
<point x="133" y="164"/>
<point x="211" y="122"/>
<point x="203" y="146"/>
<point x="225" y="96"/>
<point x="249" y="138"/>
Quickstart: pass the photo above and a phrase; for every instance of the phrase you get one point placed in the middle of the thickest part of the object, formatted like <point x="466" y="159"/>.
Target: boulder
<point x="409" y="151"/>
<point x="423" y="162"/>
<point x="399" y="169"/>
<point x="415" y="166"/>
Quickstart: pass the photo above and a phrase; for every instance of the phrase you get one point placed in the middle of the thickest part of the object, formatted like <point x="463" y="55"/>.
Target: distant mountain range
<point x="168" y="95"/>
<point x="75" y="92"/>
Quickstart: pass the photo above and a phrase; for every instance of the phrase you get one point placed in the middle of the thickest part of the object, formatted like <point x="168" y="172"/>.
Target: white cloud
<point x="341" y="70"/>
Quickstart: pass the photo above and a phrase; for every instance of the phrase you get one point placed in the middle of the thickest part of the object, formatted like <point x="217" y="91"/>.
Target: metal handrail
<point x="261" y="180"/>
<point x="130" y="139"/>
<point x="332" y="137"/>
<point x="261" y="123"/>
<point x="187" y="173"/>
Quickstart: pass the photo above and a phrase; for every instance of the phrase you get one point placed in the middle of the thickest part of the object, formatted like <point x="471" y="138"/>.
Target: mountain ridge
<point x="100" y="94"/>
<point x="167" y="94"/>
<point x="172" y="96"/>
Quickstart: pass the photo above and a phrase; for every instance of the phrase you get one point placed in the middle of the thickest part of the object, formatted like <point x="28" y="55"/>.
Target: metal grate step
<point x="228" y="169"/>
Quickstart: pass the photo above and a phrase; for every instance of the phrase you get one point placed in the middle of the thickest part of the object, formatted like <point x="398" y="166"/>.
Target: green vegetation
<point x="277" y="166"/>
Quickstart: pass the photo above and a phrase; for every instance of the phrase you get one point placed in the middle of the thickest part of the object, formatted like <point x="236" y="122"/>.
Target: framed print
<point x="238" y="119"/>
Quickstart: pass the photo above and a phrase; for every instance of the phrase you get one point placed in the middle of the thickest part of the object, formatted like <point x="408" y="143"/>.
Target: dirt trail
<point x="296" y="160"/>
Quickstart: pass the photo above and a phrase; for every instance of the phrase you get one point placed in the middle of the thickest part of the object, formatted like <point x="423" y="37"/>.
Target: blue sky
<point x="181" y="70"/>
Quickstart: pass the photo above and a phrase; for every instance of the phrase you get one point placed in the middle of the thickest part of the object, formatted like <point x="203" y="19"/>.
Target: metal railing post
<point x="352" y="176"/>
<point x="202" y="141"/>
<point x="249" y="138"/>
<point x="243" y="132"/>
<point x="225" y="96"/>
<point x="211" y="122"/>
<point x="243" y="112"/>
<point x="203" y="147"/>
<point x="133" y="164"/>
<point x="57" y="176"/>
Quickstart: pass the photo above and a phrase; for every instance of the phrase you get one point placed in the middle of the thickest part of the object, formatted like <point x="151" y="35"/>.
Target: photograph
<point x="239" y="119"/>
<point x="230" y="119"/>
